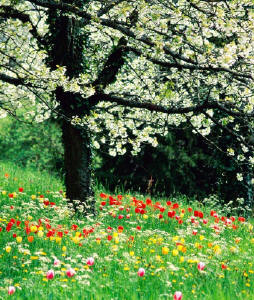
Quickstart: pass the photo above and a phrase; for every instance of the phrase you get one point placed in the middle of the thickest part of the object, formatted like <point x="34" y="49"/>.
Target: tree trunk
<point x="66" y="43"/>
<point x="77" y="162"/>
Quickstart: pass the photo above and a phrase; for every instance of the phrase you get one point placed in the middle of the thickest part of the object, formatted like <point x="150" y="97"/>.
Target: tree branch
<point x="10" y="12"/>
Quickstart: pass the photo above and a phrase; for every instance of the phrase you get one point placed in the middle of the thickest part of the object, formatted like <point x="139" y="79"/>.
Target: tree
<point x="131" y="67"/>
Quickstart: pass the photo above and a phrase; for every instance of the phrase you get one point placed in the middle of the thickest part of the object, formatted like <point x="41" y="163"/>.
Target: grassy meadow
<point x="137" y="247"/>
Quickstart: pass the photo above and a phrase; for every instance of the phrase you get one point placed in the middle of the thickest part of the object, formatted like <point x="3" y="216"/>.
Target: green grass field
<point x="136" y="247"/>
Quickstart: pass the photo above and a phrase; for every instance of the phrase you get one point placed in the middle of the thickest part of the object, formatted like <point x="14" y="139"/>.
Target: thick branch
<point x="111" y="67"/>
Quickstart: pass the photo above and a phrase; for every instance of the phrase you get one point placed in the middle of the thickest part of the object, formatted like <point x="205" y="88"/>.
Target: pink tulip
<point x="90" y="261"/>
<point x="178" y="296"/>
<point x="50" y="274"/>
<point x="70" y="272"/>
<point x="205" y="221"/>
<point x="141" y="272"/>
<point x="201" y="266"/>
<point x="56" y="262"/>
<point x="11" y="290"/>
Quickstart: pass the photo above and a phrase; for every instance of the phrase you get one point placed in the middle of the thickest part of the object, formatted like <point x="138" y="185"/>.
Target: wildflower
<point x="50" y="274"/>
<point x="8" y="249"/>
<point x="70" y="272"/>
<point x="21" y="189"/>
<point x="11" y="290"/>
<point x="30" y="238"/>
<point x="19" y="239"/>
<point x="201" y="266"/>
<point x="90" y="261"/>
<point x="56" y="262"/>
<point x="164" y="250"/>
<point x="178" y="296"/>
<point x="141" y="272"/>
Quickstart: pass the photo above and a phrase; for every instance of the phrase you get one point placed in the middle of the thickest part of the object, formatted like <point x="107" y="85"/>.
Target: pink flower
<point x="178" y="296"/>
<point x="70" y="272"/>
<point x="50" y="274"/>
<point x="90" y="261"/>
<point x="201" y="266"/>
<point x="56" y="262"/>
<point x="11" y="290"/>
<point x="141" y="272"/>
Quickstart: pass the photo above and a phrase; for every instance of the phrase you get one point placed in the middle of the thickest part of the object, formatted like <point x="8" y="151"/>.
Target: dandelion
<point x="141" y="272"/>
<point x="50" y="274"/>
<point x="178" y="295"/>
<point x="11" y="290"/>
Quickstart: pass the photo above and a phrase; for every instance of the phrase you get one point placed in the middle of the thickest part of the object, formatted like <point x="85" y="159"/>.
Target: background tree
<point x="132" y="68"/>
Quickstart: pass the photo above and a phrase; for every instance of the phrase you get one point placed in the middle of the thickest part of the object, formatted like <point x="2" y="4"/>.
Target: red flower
<point x="120" y="228"/>
<point x="189" y="209"/>
<point x="18" y="223"/>
<point x="224" y="267"/>
<point x="60" y="234"/>
<point x="169" y="203"/>
<point x="160" y="216"/>
<point x="241" y="219"/>
<point x="109" y="228"/>
<point x="103" y="196"/>
<point x="200" y="214"/>
<point x="137" y="210"/>
<point x="103" y="203"/>
<point x="120" y="217"/>
<point x="74" y="227"/>
<point x="21" y="189"/>
<point x="148" y="201"/>
<point x="119" y="197"/>
<point x="11" y="195"/>
<point x="46" y="202"/>
<point x="1" y="229"/>
<point x="171" y="214"/>
<point x="175" y="205"/>
<point x="212" y="213"/>
<point x="109" y="237"/>
<point x="138" y="228"/>
<point x="196" y="213"/>
<point x="14" y="235"/>
<point x="180" y="222"/>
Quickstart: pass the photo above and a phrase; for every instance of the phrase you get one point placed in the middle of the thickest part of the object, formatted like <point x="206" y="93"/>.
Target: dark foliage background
<point x="182" y="163"/>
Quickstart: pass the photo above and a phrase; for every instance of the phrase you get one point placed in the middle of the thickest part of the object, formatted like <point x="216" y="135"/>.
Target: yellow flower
<point x="33" y="197"/>
<point x="19" y="239"/>
<point x="181" y="259"/>
<point x="40" y="233"/>
<point x="201" y="237"/>
<point x="29" y="218"/>
<point x="8" y="249"/>
<point x="175" y="252"/>
<point x="164" y="250"/>
<point x="217" y="249"/>
<point x="64" y="248"/>
<point x="131" y="253"/>
<point x="58" y="240"/>
<point x="33" y="228"/>
<point x="3" y="192"/>
<point x="145" y="217"/>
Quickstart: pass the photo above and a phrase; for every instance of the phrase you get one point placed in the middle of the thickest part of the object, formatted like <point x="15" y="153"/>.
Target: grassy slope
<point x="168" y="251"/>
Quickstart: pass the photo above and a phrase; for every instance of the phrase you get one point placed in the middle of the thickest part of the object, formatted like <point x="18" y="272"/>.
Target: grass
<point x="166" y="239"/>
